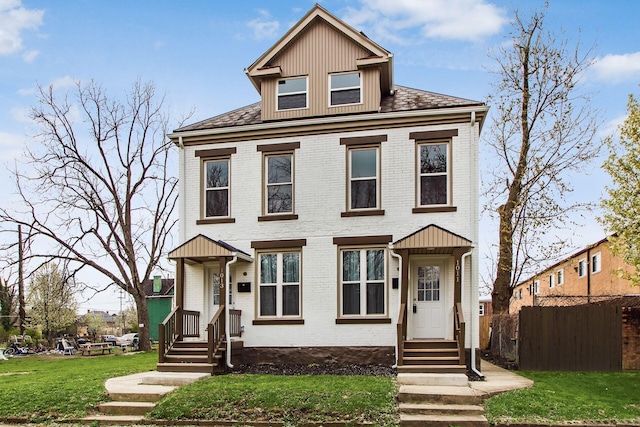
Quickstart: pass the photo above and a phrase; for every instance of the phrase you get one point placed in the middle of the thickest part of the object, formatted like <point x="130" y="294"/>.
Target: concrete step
<point x="175" y="379"/>
<point x="439" y="395"/>
<point x="186" y="367"/>
<point x="126" y="408"/>
<point x="443" y="420"/>
<point x="433" y="369"/>
<point x="440" y="409"/>
<point x="113" y="420"/>
<point x="441" y="379"/>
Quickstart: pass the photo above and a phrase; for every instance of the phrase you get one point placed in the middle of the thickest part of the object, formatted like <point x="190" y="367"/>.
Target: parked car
<point x="127" y="339"/>
<point x="110" y="338"/>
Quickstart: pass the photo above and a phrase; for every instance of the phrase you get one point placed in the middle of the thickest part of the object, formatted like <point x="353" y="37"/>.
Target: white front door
<point x="428" y="300"/>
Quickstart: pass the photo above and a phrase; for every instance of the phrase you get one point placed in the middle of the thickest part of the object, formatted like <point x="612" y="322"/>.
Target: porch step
<point x="438" y="379"/>
<point x="448" y="360"/>
<point x="431" y="352"/>
<point x="453" y="395"/>
<point x="186" y="367"/>
<point x="433" y="369"/>
<point x="431" y="344"/>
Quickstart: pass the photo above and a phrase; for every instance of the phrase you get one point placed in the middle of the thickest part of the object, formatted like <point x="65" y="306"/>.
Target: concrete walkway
<point x="498" y="380"/>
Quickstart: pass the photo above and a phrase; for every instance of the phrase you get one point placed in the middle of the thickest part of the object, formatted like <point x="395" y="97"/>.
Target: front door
<point x="428" y="301"/>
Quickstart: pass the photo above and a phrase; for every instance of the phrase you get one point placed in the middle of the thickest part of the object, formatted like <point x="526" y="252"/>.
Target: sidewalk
<point x="498" y="380"/>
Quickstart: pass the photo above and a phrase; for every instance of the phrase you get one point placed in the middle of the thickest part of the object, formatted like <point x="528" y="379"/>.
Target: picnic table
<point x="95" y="346"/>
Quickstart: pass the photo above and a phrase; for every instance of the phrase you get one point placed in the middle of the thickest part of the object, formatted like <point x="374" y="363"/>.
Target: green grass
<point x="288" y="399"/>
<point x="563" y="397"/>
<point x="52" y="386"/>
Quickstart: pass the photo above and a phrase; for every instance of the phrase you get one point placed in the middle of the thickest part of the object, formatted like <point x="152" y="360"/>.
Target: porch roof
<point x="201" y="248"/>
<point x="432" y="240"/>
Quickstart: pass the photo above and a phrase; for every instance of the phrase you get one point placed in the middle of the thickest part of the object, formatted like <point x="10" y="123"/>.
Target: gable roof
<point x="202" y="248"/>
<point x="402" y="99"/>
<point x="377" y="55"/>
<point x="433" y="238"/>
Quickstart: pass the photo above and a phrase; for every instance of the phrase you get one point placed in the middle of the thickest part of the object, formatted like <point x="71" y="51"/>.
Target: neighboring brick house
<point x="109" y="323"/>
<point x="584" y="277"/>
<point x="485" y="306"/>
<point x="336" y="220"/>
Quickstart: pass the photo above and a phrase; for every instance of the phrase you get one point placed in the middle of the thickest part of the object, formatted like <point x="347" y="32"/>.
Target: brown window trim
<point x="278" y="244"/>
<point x="282" y="217"/>
<point x="215" y="221"/>
<point x="361" y="320"/>
<point x="433" y="134"/>
<point x="216" y="152"/>
<point x="351" y="214"/>
<point x="268" y="148"/>
<point x="363" y="140"/>
<point x="435" y="209"/>
<point x="278" y="322"/>
<point x="363" y="240"/>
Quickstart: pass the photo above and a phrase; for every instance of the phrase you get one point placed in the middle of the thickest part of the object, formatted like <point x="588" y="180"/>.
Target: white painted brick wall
<point x="320" y="197"/>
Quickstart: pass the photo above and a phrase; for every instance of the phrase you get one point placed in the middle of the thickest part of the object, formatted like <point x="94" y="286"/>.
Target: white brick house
<point x="333" y="221"/>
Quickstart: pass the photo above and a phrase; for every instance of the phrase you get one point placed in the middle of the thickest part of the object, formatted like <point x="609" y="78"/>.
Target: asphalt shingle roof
<point x="403" y="99"/>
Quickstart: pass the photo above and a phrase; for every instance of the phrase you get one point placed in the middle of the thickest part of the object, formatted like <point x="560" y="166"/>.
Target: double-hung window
<point x="595" y="263"/>
<point x="560" y="274"/>
<point x="278" y="183"/>
<point x="216" y="188"/>
<point x="345" y="89"/>
<point x="536" y="286"/>
<point x="363" y="282"/>
<point x="279" y="284"/>
<point x="552" y="278"/>
<point x="292" y="93"/>
<point x="433" y="168"/>
<point x="364" y="178"/>
<point x="582" y="268"/>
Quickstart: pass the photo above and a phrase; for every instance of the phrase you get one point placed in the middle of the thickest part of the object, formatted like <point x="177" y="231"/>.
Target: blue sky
<point x="196" y="51"/>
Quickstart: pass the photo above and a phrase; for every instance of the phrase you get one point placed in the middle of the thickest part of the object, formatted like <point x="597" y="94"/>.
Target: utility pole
<point x="21" y="312"/>
<point x="121" y="313"/>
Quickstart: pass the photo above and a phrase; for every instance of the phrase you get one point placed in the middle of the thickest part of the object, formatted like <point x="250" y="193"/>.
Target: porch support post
<point x="457" y="275"/>
<point x="179" y="292"/>
<point x="404" y="291"/>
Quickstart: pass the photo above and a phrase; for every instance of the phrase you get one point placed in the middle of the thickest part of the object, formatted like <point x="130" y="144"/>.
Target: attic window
<point x="346" y="88"/>
<point x="292" y="93"/>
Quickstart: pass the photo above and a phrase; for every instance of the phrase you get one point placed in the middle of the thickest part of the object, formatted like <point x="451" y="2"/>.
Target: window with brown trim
<point x="279" y="284"/>
<point x="216" y="185"/>
<point x="433" y="174"/>
<point x="278" y="181"/>
<point x="362" y="283"/>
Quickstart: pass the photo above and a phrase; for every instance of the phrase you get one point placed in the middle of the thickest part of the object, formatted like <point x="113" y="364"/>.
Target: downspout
<point x="226" y="310"/>
<point x="399" y="258"/>
<point x="473" y="311"/>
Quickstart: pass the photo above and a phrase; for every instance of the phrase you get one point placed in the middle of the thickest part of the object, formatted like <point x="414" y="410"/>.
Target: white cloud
<point x="612" y="127"/>
<point x="14" y="20"/>
<point x="64" y="82"/>
<point x="618" y="68"/>
<point x="264" y="27"/>
<point x="30" y="56"/>
<point x="11" y="145"/>
<point x="468" y="20"/>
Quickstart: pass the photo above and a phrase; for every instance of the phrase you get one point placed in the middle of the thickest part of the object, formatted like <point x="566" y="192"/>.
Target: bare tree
<point x="99" y="189"/>
<point x="543" y="129"/>
<point x="7" y="304"/>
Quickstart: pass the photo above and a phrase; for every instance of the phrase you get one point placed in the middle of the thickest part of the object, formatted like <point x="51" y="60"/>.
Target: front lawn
<point x="288" y="399"/>
<point x="563" y="397"/>
<point x="53" y="386"/>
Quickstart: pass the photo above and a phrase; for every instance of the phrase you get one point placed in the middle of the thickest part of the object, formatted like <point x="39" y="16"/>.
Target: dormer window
<point x="292" y="93"/>
<point x="345" y="89"/>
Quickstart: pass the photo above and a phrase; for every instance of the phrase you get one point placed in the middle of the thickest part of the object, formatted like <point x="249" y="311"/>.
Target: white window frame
<point x="596" y="263"/>
<point x="446" y="174"/>
<point x="520" y="293"/>
<point x="279" y="284"/>
<point x="552" y="281"/>
<point x="305" y="92"/>
<point x="582" y="268"/>
<point x="536" y="286"/>
<point x="560" y="277"/>
<point x="481" y="309"/>
<point x="363" y="282"/>
<point x="331" y="91"/>
<point x="350" y="178"/>
<point x="205" y="189"/>
<point x="266" y="186"/>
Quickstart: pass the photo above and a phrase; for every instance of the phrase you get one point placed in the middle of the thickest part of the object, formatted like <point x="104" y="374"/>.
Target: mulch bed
<point x="317" y="369"/>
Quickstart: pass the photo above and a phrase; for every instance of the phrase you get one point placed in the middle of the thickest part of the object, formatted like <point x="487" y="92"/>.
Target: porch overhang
<point x="202" y="249"/>
<point x="432" y="240"/>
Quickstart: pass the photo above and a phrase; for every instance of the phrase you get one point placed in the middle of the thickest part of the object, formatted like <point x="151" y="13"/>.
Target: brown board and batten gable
<point x="316" y="48"/>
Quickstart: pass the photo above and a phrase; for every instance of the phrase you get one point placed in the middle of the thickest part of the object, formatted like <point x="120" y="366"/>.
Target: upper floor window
<point x="279" y="183"/>
<point x="481" y="309"/>
<point x="582" y="268"/>
<point x="216" y="188"/>
<point x="552" y="280"/>
<point x="364" y="185"/>
<point x="595" y="263"/>
<point x="520" y="292"/>
<point x="433" y="167"/>
<point x="536" y="286"/>
<point x="560" y="275"/>
<point x="292" y="93"/>
<point x="345" y="88"/>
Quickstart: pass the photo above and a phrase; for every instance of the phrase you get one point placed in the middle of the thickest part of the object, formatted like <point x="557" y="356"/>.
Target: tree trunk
<point x="502" y="284"/>
<point x="143" y="323"/>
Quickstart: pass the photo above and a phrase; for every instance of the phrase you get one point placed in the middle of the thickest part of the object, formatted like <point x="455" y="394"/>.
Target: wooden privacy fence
<point x="579" y="338"/>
